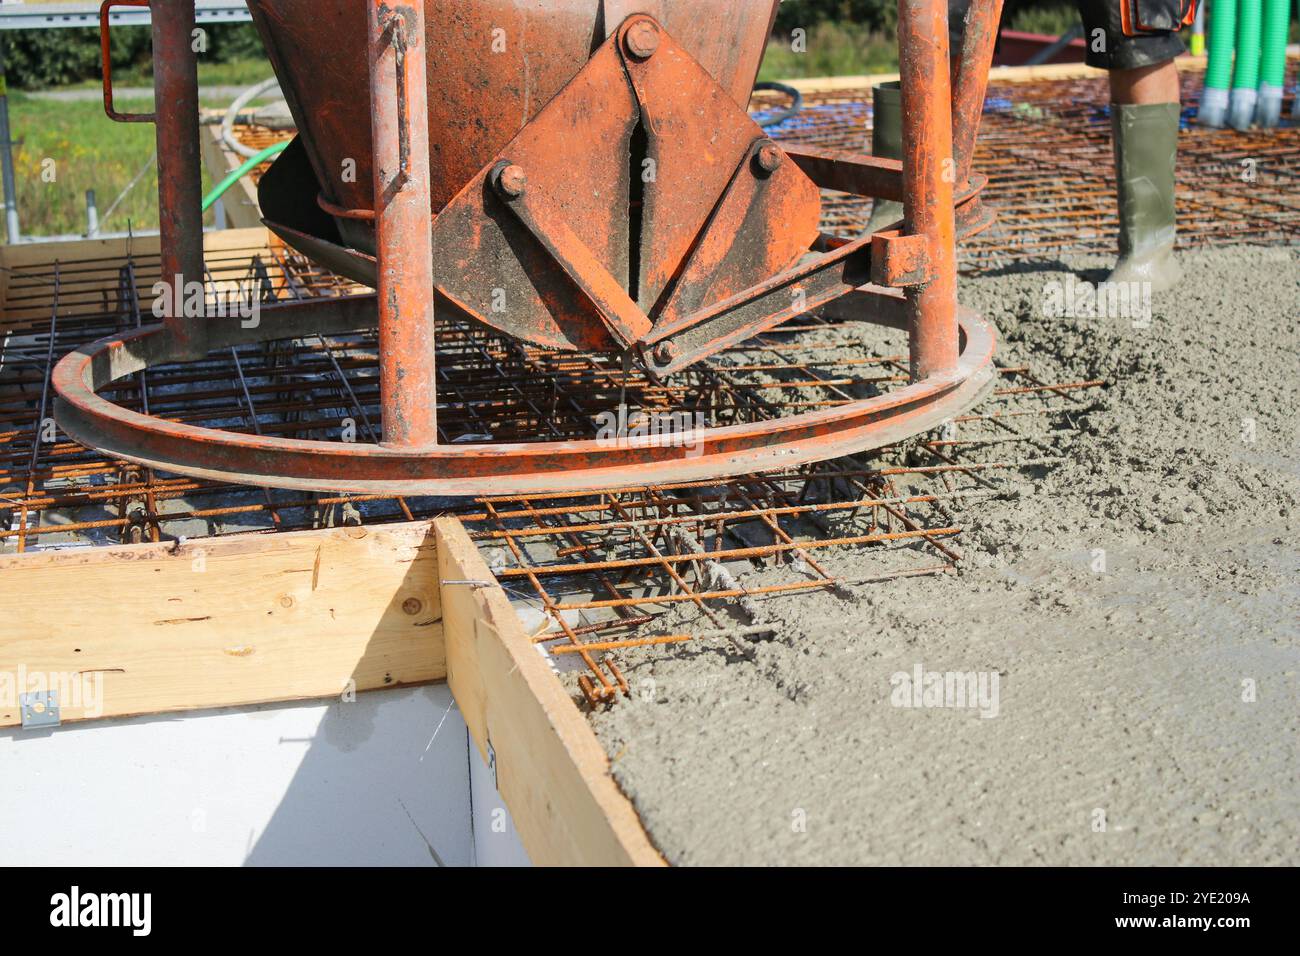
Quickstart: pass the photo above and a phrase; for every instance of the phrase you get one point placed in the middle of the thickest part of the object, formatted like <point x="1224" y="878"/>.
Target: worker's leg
<point x="886" y="141"/>
<point x="1144" y="115"/>
<point x="887" y="120"/>
<point x="1155" y="83"/>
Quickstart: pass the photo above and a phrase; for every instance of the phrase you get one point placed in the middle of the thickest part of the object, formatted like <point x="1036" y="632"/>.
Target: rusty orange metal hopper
<point x="634" y="171"/>
<point x="575" y="174"/>
<point x="492" y="65"/>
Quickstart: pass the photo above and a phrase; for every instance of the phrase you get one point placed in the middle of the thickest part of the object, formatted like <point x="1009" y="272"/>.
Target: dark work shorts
<point x="1108" y="48"/>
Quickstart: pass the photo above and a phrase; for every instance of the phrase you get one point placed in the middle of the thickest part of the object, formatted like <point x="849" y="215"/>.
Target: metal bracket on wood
<point x="39" y="709"/>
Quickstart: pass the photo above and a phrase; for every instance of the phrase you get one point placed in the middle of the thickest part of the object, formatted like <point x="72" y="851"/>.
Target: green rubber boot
<point x="886" y="141"/>
<point x="1146" y="146"/>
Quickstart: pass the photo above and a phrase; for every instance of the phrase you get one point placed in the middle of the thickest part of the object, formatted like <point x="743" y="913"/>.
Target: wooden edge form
<point x="216" y="622"/>
<point x="550" y="769"/>
<point x="95" y="265"/>
<point x="240" y="201"/>
<point x="36" y="253"/>
<point x="998" y="74"/>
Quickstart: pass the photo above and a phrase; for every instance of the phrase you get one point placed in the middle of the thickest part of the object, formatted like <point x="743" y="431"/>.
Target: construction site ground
<point x="1138" y="598"/>
<point x="1111" y="533"/>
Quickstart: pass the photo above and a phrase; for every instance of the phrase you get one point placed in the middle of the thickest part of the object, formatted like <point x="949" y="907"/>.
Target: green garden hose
<point x="244" y="169"/>
<point x="1245" y="74"/>
<point x="1218" y="71"/>
<point x="1272" y="64"/>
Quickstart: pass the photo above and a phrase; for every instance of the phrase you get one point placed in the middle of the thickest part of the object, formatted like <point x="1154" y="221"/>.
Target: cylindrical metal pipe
<point x="928" y="176"/>
<point x="403" y="240"/>
<point x="971" y="79"/>
<point x="12" y="230"/>
<point x="180" y="182"/>
<point x="92" y="214"/>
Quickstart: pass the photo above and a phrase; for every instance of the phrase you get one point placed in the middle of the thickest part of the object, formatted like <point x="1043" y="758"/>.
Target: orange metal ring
<point x="367" y="215"/>
<point x="514" y="468"/>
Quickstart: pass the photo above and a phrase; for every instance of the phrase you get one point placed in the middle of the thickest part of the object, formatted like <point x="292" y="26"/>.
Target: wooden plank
<point x="27" y="254"/>
<point x="998" y="74"/>
<point x="89" y="273"/>
<point x="240" y="200"/>
<point x="551" y="771"/>
<point x="223" y="621"/>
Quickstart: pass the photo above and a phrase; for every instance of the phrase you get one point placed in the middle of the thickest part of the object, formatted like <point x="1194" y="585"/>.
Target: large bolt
<point x="642" y="39"/>
<point x="512" y="181"/>
<point x="665" y="352"/>
<point x="769" y="157"/>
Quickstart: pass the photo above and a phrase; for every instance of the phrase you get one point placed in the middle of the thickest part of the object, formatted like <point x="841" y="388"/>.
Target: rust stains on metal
<point x="613" y="196"/>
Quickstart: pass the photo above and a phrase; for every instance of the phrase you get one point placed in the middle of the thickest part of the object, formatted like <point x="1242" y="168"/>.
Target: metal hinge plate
<point x="39" y="709"/>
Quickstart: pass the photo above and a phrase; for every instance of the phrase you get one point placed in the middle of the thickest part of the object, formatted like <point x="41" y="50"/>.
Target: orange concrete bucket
<point x="491" y="66"/>
<point x="573" y="174"/>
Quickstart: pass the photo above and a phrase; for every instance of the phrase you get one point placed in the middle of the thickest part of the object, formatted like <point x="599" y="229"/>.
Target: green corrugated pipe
<point x="244" y="169"/>
<point x="1218" y="71"/>
<point x="1272" y="65"/>
<point x="1245" y="75"/>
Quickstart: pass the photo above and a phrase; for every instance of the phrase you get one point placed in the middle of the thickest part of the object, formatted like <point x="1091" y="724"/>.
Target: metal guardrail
<point x="51" y="16"/>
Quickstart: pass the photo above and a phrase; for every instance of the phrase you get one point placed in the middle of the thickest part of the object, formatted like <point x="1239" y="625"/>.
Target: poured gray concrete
<point x="1138" y="607"/>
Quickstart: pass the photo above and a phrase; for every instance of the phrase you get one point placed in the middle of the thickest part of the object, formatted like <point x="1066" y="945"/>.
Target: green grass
<point x="1049" y="20"/>
<point x="233" y="73"/>
<point x="89" y="151"/>
<point x="92" y="152"/>
<point x="845" y="49"/>
<point x="831" y="50"/>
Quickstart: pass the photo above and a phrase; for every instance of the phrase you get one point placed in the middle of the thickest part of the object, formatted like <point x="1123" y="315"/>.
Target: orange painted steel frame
<point x="951" y="350"/>
<point x="180" y="183"/>
<point x="401" y="187"/>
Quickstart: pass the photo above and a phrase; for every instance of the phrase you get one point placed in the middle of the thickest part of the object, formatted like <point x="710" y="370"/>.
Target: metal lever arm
<point x="623" y="317"/>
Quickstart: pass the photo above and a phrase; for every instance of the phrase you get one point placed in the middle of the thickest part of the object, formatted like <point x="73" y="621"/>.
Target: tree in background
<point x="871" y="14"/>
<point x="41" y="58"/>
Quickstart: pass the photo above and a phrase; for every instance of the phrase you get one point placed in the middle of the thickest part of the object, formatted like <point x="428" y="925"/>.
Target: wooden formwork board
<point x="90" y="270"/>
<point x="240" y="200"/>
<point x="313" y="614"/>
<point x="998" y="74"/>
<point x="551" y="771"/>
<point x="222" y="621"/>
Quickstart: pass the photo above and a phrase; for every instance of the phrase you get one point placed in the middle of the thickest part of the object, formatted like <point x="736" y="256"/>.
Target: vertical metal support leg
<point x="971" y="79"/>
<point x="180" y="183"/>
<point x="7" y="157"/>
<point x="929" y="172"/>
<point x="403" y="239"/>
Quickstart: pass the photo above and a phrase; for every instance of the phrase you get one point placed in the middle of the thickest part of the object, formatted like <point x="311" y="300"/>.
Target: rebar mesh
<point x="1045" y="146"/>
<point x="601" y="568"/>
